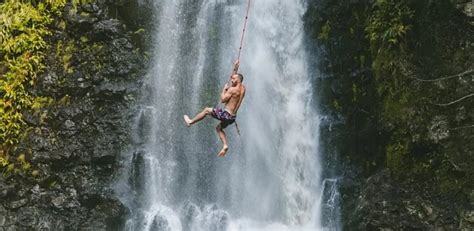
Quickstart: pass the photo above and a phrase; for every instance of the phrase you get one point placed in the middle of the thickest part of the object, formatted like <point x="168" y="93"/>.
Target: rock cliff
<point x="396" y="86"/>
<point x="94" y="64"/>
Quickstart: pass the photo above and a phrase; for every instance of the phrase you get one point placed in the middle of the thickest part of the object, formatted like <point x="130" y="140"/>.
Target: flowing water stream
<point x="271" y="176"/>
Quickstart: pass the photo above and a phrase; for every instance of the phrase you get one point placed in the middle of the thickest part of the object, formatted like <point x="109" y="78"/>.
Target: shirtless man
<point x="232" y="97"/>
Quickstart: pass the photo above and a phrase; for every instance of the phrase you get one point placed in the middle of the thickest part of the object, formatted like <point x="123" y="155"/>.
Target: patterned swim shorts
<point x="224" y="116"/>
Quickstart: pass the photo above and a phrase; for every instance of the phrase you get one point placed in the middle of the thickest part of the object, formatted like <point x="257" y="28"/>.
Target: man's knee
<point x="208" y="110"/>
<point x="219" y="128"/>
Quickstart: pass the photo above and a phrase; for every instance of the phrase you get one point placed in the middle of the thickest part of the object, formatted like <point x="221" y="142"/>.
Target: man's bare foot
<point x="223" y="151"/>
<point x="187" y="120"/>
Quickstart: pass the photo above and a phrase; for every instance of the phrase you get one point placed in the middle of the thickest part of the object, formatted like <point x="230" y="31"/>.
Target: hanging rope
<point x="240" y="50"/>
<point x="243" y="33"/>
<point x="243" y="30"/>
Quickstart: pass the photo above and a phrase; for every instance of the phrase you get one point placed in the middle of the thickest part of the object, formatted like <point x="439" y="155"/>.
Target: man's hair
<point x="241" y="77"/>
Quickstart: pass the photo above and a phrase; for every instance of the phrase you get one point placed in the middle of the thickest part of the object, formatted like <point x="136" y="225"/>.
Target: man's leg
<point x="198" y="117"/>
<point x="221" y="134"/>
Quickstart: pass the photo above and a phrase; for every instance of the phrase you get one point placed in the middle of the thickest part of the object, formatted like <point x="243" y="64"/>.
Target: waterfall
<point x="271" y="177"/>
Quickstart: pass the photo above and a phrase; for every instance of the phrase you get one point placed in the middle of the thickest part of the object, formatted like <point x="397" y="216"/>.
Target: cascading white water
<point x="270" y="178"/>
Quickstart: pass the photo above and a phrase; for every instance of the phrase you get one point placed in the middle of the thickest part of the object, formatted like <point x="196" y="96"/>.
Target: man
<point x="232" y="97"/>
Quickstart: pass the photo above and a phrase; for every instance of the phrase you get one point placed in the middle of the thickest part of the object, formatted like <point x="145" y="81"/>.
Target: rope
<point x="240" y="50"/>
<point x="243" y="30"/>
<point x="242" y="35"/>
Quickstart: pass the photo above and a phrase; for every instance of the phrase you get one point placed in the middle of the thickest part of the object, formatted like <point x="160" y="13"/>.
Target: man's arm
<point x="225" y="94"/>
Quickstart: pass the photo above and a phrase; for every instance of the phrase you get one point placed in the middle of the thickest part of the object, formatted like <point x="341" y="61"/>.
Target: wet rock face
<point x="160" y="223"/>
<point x="425" y="143"/>
<point x="383" y="205"/>
<point x="76" y="141"/>
<point x="438" y="129"/>
<point x="386" y="204"/>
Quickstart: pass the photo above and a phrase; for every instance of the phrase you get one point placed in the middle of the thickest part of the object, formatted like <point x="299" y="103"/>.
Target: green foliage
<point x="139" y="31"/>
<point x="23" y="29"/>
<point x="25" y="166"/>
<point x="3" y="162"/>
<point x="404" y="45"/>
<point x="325" y="30"/>
<point x="387" y="26"/>
<point x="396" y="154"/>
<point x="76" y="3"/>
<point x="354" y="92"/>
<point x="336" y="105"/>
<point x="18" y="165"/>
<point x="389" y="22"/>
<point x="64" y="53"/>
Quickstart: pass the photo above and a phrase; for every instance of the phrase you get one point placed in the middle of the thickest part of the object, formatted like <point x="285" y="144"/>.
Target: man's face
<point x="234" y="80"/>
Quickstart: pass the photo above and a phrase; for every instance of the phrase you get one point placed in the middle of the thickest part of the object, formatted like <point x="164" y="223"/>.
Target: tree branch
<point x="444" y="78"/>
<point x="455" y="101"/>
<point x="463" y="127"/>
